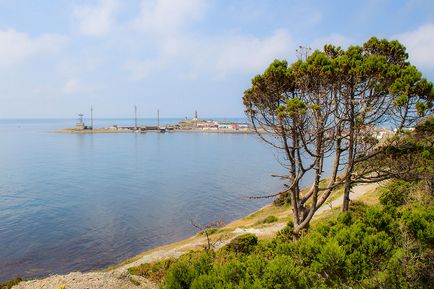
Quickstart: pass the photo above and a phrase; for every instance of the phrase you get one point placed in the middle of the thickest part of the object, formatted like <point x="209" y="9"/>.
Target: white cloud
<point x="166" y="25"/>
<point x="420" y="45"/>
<point x="250" y="54"/>
<point x="218" y="56"/>
<point x="96" y="20"/>
<point x="17" y="46"/>
<point x="166" y="17"/>
<point x="334" y="38"/>
<point x="72" y="86"/>
<point x="140" y="69"/>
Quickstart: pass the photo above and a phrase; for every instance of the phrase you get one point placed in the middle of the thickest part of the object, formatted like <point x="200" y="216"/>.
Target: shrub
<point x="306" y="249"/>
<point x="396" y="193"/>
<point x="378" y="219"/>
<point x="180" y="276"/>
<point x="153" y="271"/>
<point x="243" y="244"/>
<point x="331" y="260"/>
<point x="9" y="284"/>
<point x="420" y="221"/>
<point x="268" y="220"/>
<point x="188" y="267"/>
<point x="363" y="248"/>
<point x="210" y="281"/>
<point x="283" y="273"/>
<point x="232" y="271"/>
<point x="255" y="266"/>
<point x="287" y="232"/>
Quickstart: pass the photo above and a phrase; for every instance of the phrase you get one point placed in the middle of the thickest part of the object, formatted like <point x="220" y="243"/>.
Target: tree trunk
<point x="351" y="152"/>
<point x="346" y="201"/>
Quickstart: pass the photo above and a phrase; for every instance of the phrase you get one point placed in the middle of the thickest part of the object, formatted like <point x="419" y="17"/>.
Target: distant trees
<point x="328" y="106"/>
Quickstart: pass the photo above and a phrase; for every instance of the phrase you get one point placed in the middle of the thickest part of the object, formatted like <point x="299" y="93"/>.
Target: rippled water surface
<point x="81" y="201"/>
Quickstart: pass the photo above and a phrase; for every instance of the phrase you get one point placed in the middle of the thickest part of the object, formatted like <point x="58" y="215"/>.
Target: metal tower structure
<point x="91" y="117"/>
<point x="80" y="118"/>
<point x="135" y="117"/>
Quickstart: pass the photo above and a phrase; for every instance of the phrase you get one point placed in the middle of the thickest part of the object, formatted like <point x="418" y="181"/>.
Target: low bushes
<point x="9" y="284"/>
<point x="368" y="247"/>
<point x="243" y="244"/>
<point x="268" y="220"/>
<point x="396" y="193"/>
<point x="153" y="271"/>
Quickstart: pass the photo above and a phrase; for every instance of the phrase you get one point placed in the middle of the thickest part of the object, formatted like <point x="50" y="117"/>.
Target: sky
<point x="57" y="58"/>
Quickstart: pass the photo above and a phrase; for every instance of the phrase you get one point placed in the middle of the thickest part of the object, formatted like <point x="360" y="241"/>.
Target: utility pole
<point x="91" y="117"/>
<point x="135" y="117"/>
<point x="158" y="118"/>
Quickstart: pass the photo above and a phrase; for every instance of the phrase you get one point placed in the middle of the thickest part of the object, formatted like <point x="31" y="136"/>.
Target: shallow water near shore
<point x="73" y="202"/>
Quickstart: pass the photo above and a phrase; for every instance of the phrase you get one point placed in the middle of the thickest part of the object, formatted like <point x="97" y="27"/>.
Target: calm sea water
<point x="81" y="202"/>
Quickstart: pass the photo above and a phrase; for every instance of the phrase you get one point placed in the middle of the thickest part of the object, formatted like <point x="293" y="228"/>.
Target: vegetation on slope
<point x="384" y="246"/>
<point x="9" y="284"/>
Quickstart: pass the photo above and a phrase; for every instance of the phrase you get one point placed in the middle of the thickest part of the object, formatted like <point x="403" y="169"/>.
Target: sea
<point x="80" y="202"/>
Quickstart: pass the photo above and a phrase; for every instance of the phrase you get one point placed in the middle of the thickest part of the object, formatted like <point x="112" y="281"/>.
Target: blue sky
<point x="59" y="57"/>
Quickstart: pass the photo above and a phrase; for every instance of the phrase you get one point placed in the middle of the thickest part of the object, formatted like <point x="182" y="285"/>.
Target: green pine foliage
<point x="368" y="247"/>
<point x="396" y="194"/>
<point x="243" y="244"/>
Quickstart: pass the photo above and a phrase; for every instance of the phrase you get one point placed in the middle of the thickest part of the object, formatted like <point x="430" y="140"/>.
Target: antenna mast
<point x="135" y="117"/>
<point x="91" y="117"/>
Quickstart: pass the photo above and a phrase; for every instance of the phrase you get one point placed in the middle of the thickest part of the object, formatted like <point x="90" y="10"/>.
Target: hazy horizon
<point x="59" y="57"/>
<point x="86" y="116"/>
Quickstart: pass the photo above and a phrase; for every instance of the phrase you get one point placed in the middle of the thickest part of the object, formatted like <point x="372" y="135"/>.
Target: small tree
<point x="327" y="106"/>
<point x="206" y="230"/>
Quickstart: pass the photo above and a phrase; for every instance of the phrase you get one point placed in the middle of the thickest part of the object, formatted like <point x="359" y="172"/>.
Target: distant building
<point x="381" y="133"/>
<point x="243" y="125"/>
<point x="224" y="126"/>
<point x="80" y="123"/>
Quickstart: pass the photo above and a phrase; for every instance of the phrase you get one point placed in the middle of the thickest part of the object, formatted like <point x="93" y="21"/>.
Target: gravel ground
<point x="77" y="280"/>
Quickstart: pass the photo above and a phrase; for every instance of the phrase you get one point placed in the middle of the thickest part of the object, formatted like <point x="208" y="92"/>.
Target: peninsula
<point x="188" y="125"/>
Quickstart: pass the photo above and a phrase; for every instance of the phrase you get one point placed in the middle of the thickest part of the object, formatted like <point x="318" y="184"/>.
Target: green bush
<point x="283" y="273"/>
<point x="207" y="282"/>
<point x="268" y="220"/>
<point x="9" y="284"/>
<point x="287" y="232"/>
<point x="152" y="271"/>
<point x="187" y="268"/>
<point x="420" y="221"/>
<point x="330" y="260"/>
<point x="180" y="276"/>
<point x="396" y="193"/>
<point x="243" y="244"/>
<point x="363" y="248"/>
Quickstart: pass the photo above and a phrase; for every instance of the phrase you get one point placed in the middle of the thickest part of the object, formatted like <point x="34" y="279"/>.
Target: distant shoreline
<point x="120" y="130"/>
